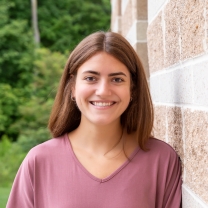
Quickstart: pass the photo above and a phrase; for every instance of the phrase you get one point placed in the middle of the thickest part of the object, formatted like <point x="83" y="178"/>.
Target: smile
<point x="102" y="104"/>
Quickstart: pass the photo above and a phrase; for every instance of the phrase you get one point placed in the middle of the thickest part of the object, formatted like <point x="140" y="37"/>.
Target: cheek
<point x="81" y="91"/>
<point x="125" y="95"/>
<point x="126" y="92"/>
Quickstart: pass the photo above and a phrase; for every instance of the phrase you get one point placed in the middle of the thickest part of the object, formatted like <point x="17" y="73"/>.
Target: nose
<point x="103" y="88"/>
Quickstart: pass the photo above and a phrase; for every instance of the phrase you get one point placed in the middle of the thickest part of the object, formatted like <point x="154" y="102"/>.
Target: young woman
<point x="102" y="154"/>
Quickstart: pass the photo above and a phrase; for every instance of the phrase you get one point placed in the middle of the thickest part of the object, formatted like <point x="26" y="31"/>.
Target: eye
<point x="90" y="79"/>
<point x="118" y="80"/>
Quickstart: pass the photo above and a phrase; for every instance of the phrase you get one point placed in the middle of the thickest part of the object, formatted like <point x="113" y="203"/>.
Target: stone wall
<point x="177" y="67"/>
<point x="178" y="64"/>
<point x="129" y="18"/>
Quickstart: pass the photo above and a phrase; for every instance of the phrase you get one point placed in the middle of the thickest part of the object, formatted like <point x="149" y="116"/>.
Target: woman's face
<point x="102" y="89"/>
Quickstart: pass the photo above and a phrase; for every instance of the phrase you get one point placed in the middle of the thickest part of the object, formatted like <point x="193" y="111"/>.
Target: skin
<point x="102" y="93"/>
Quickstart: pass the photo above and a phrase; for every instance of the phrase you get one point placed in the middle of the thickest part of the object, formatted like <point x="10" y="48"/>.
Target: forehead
<point x="103" y="63"/>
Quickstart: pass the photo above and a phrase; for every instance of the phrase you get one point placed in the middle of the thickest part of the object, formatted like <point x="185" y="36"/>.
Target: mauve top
<point x="52" y="177"/>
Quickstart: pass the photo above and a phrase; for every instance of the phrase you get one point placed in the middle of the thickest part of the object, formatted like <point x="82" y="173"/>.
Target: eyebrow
<point x="110" y="75"/>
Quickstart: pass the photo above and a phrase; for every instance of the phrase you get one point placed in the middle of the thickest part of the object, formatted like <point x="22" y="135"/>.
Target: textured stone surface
<point x="190" y="200"/>
<point x="137" y="32"/>
<point x="175" y="86"/>
<point x="175" y="130"/>
<point x="184" y="85"/>
<point x="155" y="44"/>
<point x="172" y="33"/>
<point x="154" y="6"/>
<point x="141" y="30"/>
<point x="116" y="16"/>
<point x="114" y="12"/>
<point x="127" y="18"/>
<point x="200" y="79"/>
<point x="168" y="88"/>
<point x="196" y="151"/>
<point x="159" y="129"/>
<point x="155" y="88"/>
<point x="116" y="27"/>
<point x="141" y="8"/>
<point x="141" y="49"/>
<point x="124" y="3"/>
<point x="192" y="27"/>
<point x="206" y="16"/>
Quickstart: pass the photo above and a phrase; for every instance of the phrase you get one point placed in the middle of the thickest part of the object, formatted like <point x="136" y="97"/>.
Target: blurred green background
<point x="30" y="70"/>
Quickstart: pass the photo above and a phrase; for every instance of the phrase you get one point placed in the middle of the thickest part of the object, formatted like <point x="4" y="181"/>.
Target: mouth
<point x="102" y="104"/>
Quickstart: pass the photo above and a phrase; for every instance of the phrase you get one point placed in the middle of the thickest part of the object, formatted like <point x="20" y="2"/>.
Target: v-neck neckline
<point x="90" y="174"/>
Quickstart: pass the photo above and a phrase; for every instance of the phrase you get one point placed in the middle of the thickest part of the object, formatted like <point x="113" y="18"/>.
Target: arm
<point x="21" y="195"/>
<point x="173" y="193"/>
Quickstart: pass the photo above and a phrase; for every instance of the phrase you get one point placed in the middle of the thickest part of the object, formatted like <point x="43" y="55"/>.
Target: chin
<point x="102" y="122"/>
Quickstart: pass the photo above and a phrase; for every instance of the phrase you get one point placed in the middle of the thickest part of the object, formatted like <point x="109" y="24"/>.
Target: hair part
<point x="138" y="117"/>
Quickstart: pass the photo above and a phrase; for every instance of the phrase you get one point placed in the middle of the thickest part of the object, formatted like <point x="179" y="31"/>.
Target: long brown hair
<point x="138" y="117"/>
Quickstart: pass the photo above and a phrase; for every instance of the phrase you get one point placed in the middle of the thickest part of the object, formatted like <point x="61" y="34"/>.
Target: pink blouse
<point x="52" y="177"/>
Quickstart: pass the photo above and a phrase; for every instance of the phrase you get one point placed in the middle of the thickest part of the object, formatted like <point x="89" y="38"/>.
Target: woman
<point x="102" y="154"/>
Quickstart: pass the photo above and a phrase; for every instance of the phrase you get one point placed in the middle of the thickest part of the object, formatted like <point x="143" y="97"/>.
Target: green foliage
<point x="11" y="156"/>
<point x="16" y="54"/>
<point x="34" y="112"/>
<point x="9" y="103"/>
<point x="29" y="76"/>
<point x="32" y="106"/>
<point x="5" y="145"/>
<point x="48" y="68"/>
<point x="16" y="48"/>
<point x="4" y="194"/>
<point x="64" y="23"/>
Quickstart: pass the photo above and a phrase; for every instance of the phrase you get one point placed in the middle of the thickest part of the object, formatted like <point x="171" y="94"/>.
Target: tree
<point x="29" y="76"/>
<point x="64" y="23"/>
<point x="16" y="49"/>
<point x="34" y="113"/>
<point x="35" y="22"/>
<point x="25" y="77"/>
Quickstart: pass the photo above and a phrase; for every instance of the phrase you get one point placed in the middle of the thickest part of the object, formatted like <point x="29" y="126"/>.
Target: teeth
<point x="102" y="104"/>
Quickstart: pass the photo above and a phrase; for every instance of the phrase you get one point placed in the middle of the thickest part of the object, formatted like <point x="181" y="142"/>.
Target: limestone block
<point x="155" y="44"/>
<point x="196" y="151"/>
<point x="190" y="199"/>
<point x="192" y="27"/>
<point x="124" y="3"/>
<point x="184" y="85"/>
<point x="154" y="6"/>
<point x="141" y="30"/>
<point x="115" y="12"/>
<point x="175" y="131"/>
<point x="141" y="49"/>
<point x="172" y="33"/>
<point x="200" y="78"/>
<point x="206" y="16"/>
<point x="177" y="86"/>
<point x="168" y="88"/>
<point x="127" y="18"/>
<point x="141" y="9"/>
<point x="159" y="129"/>
<point x="155" y="88"/>
<point x="137" y="32"/>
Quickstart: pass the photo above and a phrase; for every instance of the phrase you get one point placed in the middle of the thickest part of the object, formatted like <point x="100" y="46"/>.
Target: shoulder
<point x="154" y="144"/>
<point x="160" y="149"/>
<point x="47" y="149"/>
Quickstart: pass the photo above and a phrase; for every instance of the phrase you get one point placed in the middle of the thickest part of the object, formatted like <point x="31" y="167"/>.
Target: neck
<point x="98" y="139"/>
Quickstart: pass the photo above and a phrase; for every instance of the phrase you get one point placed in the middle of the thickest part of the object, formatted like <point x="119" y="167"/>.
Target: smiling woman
<point x="102" y="93"/>
<point x="138" y="117"/>
<point x="102" y="154"/>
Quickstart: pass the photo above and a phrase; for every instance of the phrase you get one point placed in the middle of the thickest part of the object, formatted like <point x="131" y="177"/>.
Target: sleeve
<point x="173" y="192"/>
<point x="22" y="192"/>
